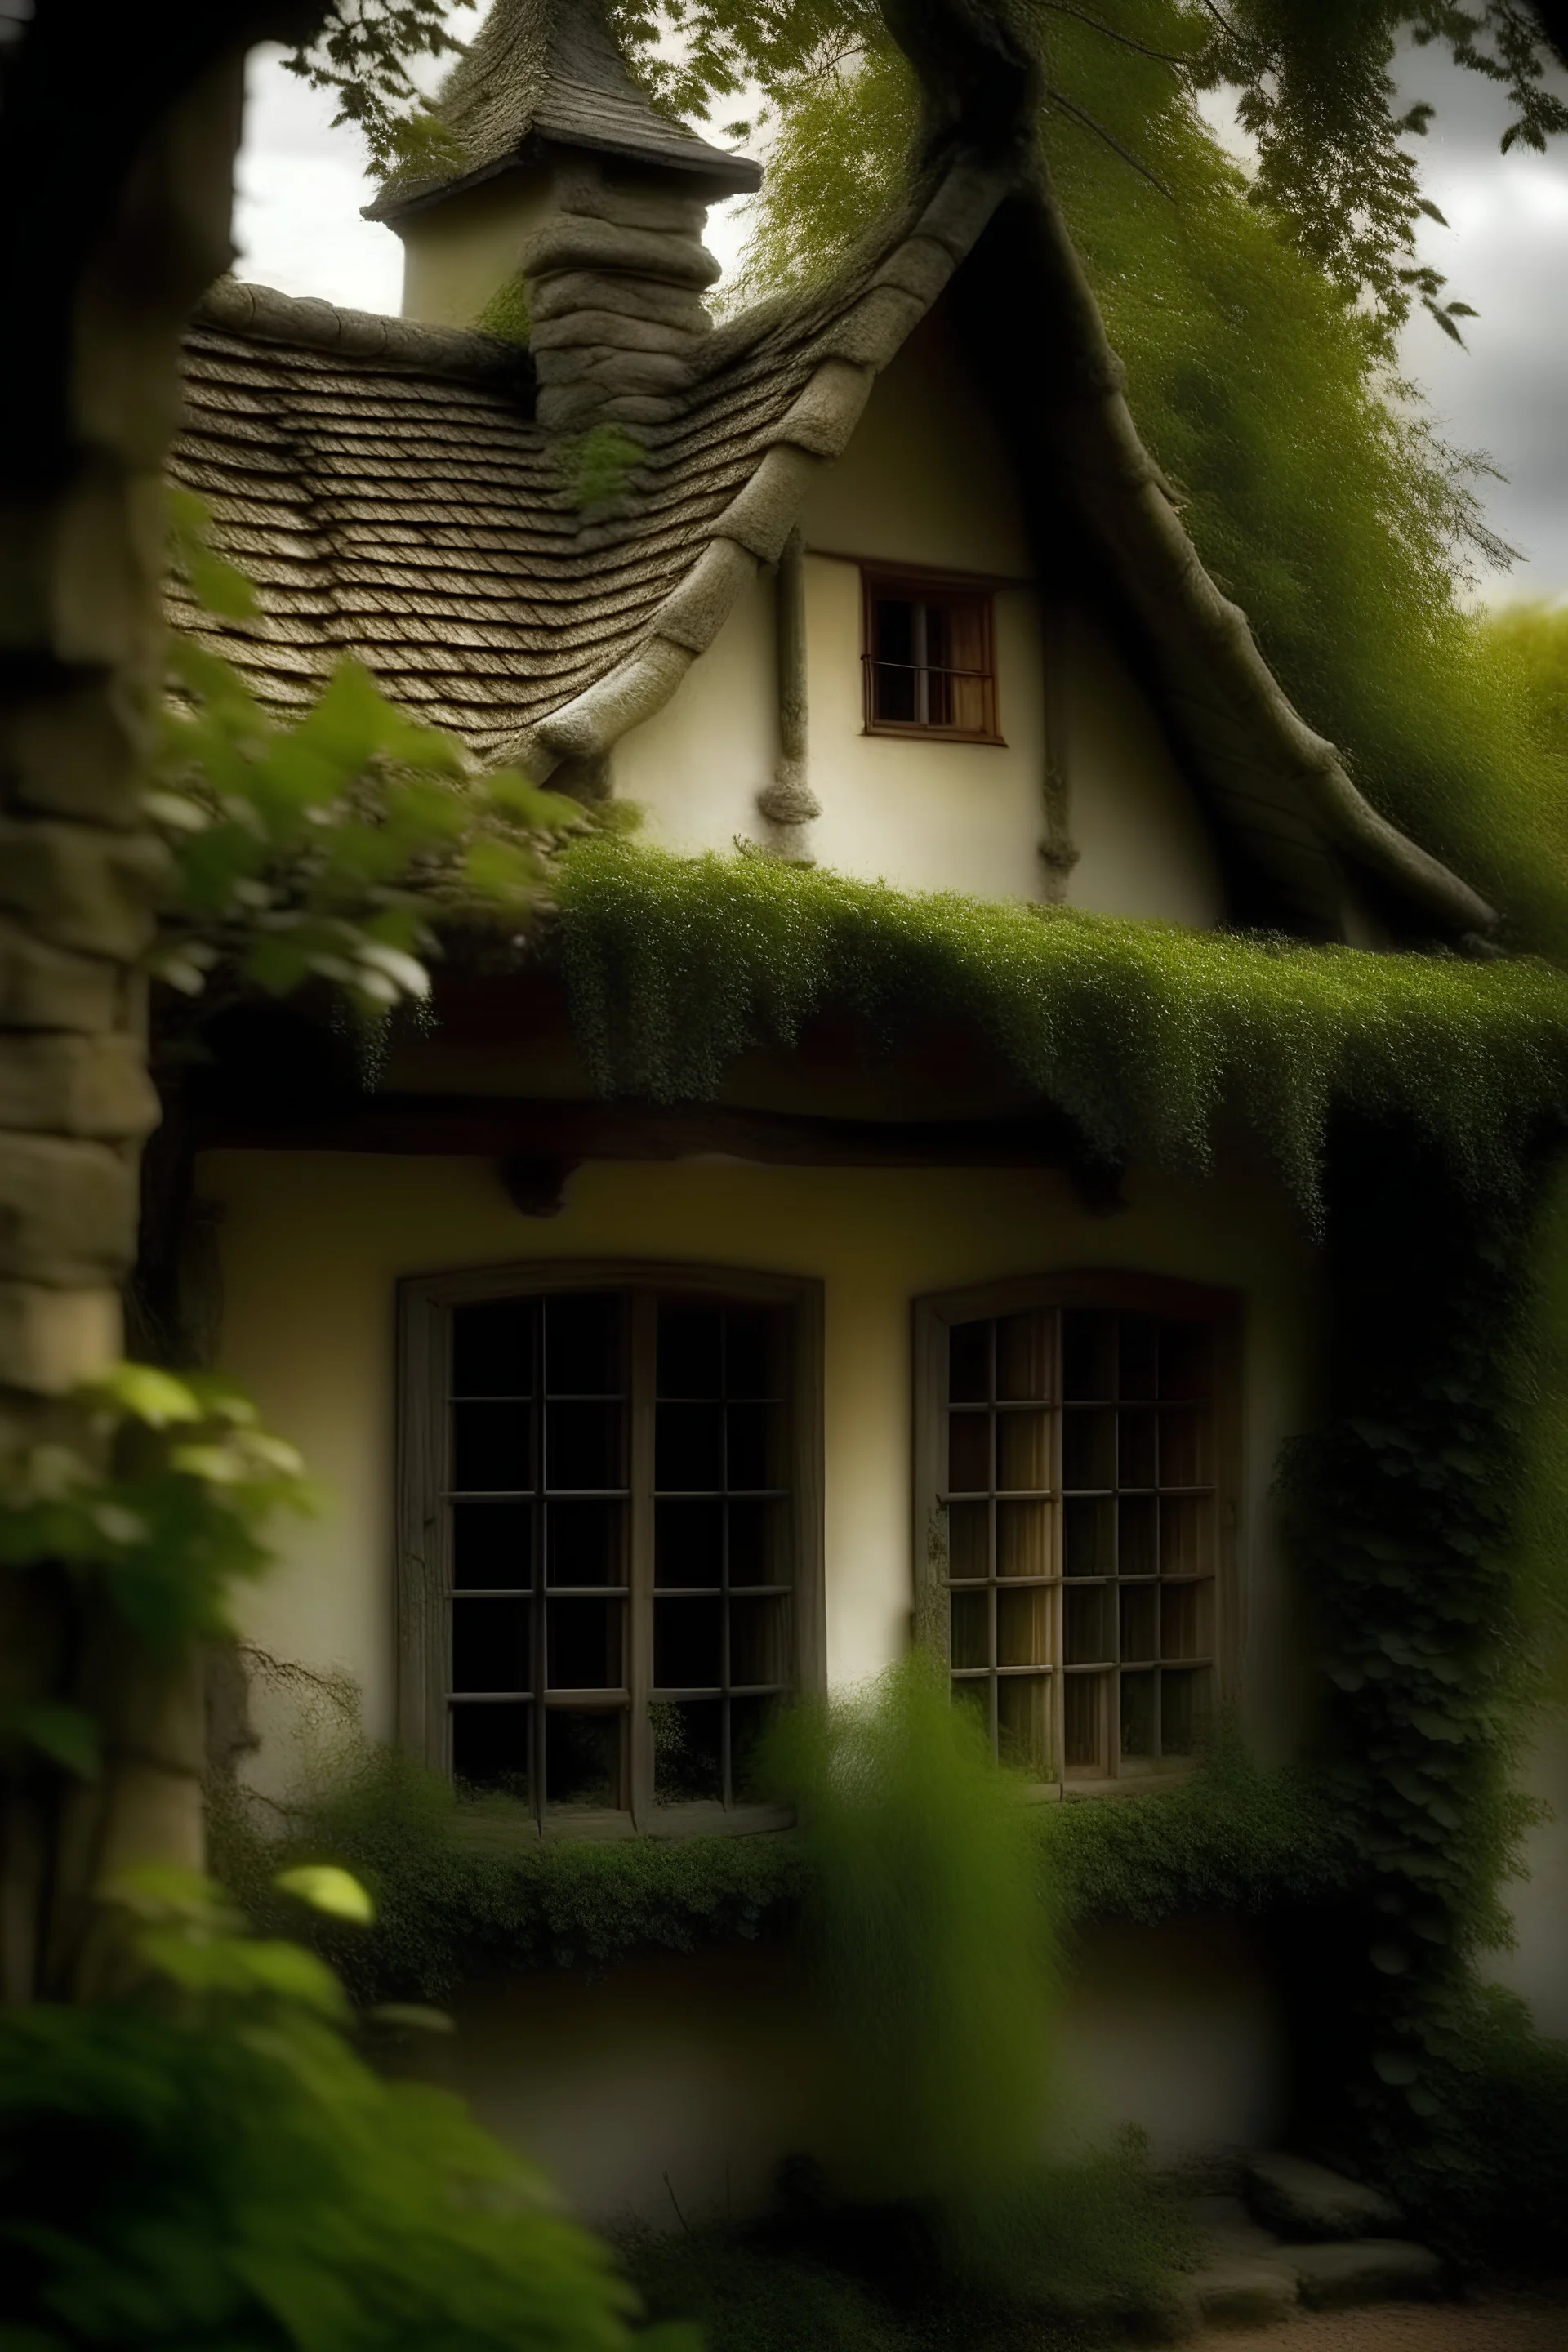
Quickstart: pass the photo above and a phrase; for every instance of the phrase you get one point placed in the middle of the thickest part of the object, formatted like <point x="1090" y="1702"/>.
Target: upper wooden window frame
<point x="1111" y="1291"/>
<point x="424" y="1303"/>
<point x="926" y="586"/>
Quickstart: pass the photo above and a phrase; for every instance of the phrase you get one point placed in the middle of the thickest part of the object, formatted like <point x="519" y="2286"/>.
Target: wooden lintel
<point x="559" y="1132"/>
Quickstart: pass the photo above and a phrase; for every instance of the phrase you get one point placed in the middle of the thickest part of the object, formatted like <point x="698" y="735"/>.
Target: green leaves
<point x="328" y="1889"/>
<point x="66" y="1735"/>
<point x="361" y="55"/>
<point x="159" y="1508"/>
<point x="209" y="2163"/>
<point x="322" y="850"/>
<point x="1147" y="1036"/>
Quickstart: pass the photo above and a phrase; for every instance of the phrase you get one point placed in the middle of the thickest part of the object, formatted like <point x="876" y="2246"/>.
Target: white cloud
<point x="302" y="183"/>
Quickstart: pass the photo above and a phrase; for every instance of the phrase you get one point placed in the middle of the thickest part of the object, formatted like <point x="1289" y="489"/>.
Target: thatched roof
<point x="388" y="489"/>
<point x="548" y="73"/>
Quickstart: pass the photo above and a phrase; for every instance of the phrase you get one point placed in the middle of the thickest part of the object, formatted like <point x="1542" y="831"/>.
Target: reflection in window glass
<point x="1080" y="1518"/>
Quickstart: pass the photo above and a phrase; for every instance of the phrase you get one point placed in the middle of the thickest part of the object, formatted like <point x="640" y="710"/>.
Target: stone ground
<point x="1499" y="2324"/>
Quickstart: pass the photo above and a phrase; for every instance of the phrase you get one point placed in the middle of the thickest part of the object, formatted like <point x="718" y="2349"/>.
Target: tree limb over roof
<point x="548" y="72"/>
<point x="420" y="518"/>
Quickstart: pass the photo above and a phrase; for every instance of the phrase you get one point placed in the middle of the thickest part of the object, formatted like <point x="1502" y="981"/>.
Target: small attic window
<point x="930" y="667"/>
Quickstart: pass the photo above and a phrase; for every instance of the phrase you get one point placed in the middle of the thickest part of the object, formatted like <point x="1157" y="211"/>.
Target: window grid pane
<point x="538" y="1698"/>
<point x="1081" y="1526"/>
<point x="722" y="1587"/>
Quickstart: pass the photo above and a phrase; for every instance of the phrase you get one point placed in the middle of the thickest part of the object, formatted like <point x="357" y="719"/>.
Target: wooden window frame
<point x="421" y="1570"/>
<point x="883" y="579"/>
<point x="1113" y="1291"/>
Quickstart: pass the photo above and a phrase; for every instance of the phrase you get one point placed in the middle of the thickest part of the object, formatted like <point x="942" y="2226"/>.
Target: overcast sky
<point x="1505" y="250"/>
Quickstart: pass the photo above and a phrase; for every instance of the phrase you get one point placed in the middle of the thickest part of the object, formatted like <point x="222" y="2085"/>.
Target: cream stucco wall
<point x="927" y="481"/>
<point x="458" y="253"/>
<point x="693" y="2076"/>
<point x="312" y="1246"/>
<point x="711" y="2073"/>
<point x="1143" y="847"/>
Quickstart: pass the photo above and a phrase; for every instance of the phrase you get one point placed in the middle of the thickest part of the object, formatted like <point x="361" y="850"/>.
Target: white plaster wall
<point x="708" y="2069"/>
<point x="925" y="816"/>
<point x="312" y="1246"/>
<point x="458" y="254"/>
<point x="926" y="481"/>
<point x="1537" y="1968"/>
<point x="1144" y="848"/>
<point x="688" y="2079"/>
<point x="695" y="768"/>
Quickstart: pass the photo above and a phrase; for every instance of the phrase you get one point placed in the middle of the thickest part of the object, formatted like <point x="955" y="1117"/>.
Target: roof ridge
<point x="236" y="307"/>
<point x="751" y="530"/>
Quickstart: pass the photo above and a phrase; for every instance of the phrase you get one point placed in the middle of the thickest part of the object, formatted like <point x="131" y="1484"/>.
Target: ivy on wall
<point x="1402" y="1511"/>
<point x="1411" y="1103"/>
<point x="451" y="1908"/>
<point x="1147" y="1035"/>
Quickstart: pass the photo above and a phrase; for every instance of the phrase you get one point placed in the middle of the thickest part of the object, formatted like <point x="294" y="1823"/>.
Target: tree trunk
<point x="118" y="131"/>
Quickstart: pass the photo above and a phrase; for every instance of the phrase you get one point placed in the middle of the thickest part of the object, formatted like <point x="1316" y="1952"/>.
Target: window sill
<point x="1158" y="1781"/>
<point x="498" y="1828"/>
<point x="914" y="733"/>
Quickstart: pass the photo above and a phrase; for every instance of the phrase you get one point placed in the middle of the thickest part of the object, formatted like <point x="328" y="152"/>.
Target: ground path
<point x="1505" y="2324"/>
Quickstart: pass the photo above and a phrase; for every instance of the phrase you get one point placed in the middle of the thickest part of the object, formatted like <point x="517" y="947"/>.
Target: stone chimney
<point x="574" y="215"/>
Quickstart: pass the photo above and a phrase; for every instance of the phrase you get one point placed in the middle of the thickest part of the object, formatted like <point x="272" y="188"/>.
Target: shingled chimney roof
<point x="547" y="75"/>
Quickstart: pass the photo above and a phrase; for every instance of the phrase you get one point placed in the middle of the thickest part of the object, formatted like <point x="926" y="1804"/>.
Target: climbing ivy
<point x="1402" y="1512"/>
<point x="1148" y="1036"/>
<point x="458" y="1898"/>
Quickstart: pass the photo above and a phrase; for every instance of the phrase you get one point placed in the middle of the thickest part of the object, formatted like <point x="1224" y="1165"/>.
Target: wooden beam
<point x="542" y="1133"/>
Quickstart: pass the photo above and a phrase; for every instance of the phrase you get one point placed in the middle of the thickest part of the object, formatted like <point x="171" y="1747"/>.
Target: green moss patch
<point x="1148" y="1036"/>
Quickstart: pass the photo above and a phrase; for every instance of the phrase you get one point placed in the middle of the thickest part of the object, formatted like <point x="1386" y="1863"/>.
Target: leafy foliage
<point x="1312" y="82"/>
<point x="319" y="850"/>
<point x="152" y="1507"/>
<point x="1317" y="94"/>
<point x="1315" y="490"/>
<point x="462" y="1890"/>
<point x="930" y="1940"/>
<point x="360" y="53"/>
<point x="216" y="2167"/>
<point x="1402" y="1518"/>
<point x="1145" y="1034"/>
<point x="1096" y="2249"/>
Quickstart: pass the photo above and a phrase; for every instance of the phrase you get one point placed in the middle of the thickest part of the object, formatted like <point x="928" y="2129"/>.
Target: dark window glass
<point x="492" y="1544"/>
<point x="583" y="1641"/>
<point x="548" y="1537"/>
<point x="893" y="655"/>
<point x="687" y="1644"/>
<point x="689" y="1544"/>
<point x="969" y="1363"/>
<point x="690" y="1351"/>
<point x="490" y="1749"/>
<point x="489" y="1646"/>
<point x="759" y="1544"/>
<point x="751" y="1353"/>
<point x="581" y="1447"/>
<point x="687" y="1759"/>
<point x="582" y="1757"/>
<point x="688" y="1448"/>
<point x="492" y="1348"/>
<point x="584" y="1543"/>
<point x="583" y="1345"/>
<point x="491" y="1449"/>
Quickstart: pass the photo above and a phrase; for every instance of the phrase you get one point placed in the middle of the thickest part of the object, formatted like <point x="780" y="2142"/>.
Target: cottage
<point x="637" y="1414"/>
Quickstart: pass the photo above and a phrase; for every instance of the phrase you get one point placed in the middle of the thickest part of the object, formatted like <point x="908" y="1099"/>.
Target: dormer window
<point x="930" y="667"/>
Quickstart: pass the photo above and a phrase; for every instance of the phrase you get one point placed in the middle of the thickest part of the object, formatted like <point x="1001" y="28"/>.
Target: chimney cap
<point x="543" y="75"/>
